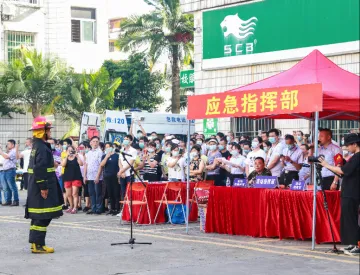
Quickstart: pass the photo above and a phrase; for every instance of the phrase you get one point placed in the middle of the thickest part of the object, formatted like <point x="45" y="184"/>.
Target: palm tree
<point x="33" y="79"/>
<point x="165" y="31"/>
<point x="92" y="92"/>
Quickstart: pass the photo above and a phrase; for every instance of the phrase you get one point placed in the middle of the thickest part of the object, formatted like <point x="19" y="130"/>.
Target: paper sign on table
<point x="269" y="182"/>
<point x="240" y="183"/>
<point x="298" y="185"/>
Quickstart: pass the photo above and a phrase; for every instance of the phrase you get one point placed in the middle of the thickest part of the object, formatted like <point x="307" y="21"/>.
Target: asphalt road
<point x="82" y="246"/>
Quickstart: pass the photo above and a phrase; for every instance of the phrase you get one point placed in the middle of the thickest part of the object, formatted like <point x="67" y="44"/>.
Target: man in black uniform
<point x="44" y="201"/>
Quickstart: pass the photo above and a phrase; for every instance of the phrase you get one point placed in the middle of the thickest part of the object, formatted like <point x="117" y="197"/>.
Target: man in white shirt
<point x="93" y="176"/>
<point x="125" y="170"/>
<point x="25" y="155"/>
<point x="329" y="150"/>
<point x="255" y="153"/>
<point x="291" y="160"/>
<point x="273" y="158"/>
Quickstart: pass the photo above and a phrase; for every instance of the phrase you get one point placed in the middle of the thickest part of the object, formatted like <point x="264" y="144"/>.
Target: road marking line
<point x="201" y="242"/>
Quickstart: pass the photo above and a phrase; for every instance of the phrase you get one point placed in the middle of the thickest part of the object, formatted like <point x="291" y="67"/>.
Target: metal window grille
<point x="249" y="127"/>
<point x="16" y="40"/>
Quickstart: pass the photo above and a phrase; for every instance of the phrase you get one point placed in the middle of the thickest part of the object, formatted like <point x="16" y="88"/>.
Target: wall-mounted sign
<point x="273" y="30"/>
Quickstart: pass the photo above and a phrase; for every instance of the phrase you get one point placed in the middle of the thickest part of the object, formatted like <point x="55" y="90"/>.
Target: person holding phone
<point x="72" y="178"/>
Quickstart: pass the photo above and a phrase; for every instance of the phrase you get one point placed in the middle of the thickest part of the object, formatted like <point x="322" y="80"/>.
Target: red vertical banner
<point x="281" y="100"/>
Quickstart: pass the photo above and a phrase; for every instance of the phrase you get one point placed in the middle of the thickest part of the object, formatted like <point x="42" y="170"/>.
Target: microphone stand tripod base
<point x="131" y="241"/>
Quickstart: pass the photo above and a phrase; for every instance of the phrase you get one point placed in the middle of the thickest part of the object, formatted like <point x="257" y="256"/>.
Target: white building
<point x="238" y="42"/>
<point x="74" y="30"/>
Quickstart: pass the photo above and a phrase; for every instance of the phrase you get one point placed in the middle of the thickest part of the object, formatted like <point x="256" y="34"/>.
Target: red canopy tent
<point x="340" y="87"/>
<point x="340" y="96"/>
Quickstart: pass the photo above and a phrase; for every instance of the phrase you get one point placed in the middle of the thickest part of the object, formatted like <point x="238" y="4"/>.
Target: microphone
<point x="126" y="154"/>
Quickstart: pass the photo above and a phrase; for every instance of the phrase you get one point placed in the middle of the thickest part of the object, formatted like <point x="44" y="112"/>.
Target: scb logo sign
<point x="239" y="49"/>
<point x="233" y="26"/>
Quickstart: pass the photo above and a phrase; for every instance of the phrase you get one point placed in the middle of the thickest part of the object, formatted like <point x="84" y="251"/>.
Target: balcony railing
<point x="25" y="2"/>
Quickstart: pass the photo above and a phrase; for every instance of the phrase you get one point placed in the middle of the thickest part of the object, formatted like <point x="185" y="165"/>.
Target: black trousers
<point x="327" y="181"/>
<point x="287" y="178"/>
<point x="113" y="189"/>
<point x="38" y="231"/>
<point x="217" y="180"/>
<point x="25" y="180"/>
<point x="349" y="221"/>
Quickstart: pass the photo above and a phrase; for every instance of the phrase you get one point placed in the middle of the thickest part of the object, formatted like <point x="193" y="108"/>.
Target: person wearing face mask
<point x="152" y="136"/>
<point x="291" y="160"/>
<point x="350" y="195"/>
<point x="236" y="165"/>
<point x="175" y="164"/>
<point x="273" y="157"/>
<point x="138" y="163"/>
<point x="125" y="173"/>
<point x="159" y="152"/>
<point x="72" y="178"/>
<point x="197" y="165"/>
<point x="110" y="164"/>
<point x="140" y="133"/>
<point x="305" y="172"/>
<point x="230" y="137"/>
<point x="256" y="146"/>
<point x="143" y="142"/>
<point x="164" y="157"/>
<point x="25" y="155"/>
<point x="151" y="162"/>
<point x="245" y="147"/>
<point x="213" y="165"/>
<point x="266" y="146"/>
<point x="329" y="150"/>
<point x="225" y="154"/>
<point x="299" y="138"/>
<point x="200" y="142"/>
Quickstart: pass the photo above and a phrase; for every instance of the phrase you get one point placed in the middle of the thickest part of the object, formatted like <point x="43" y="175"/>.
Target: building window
<point x="111" y="46"/>
<point x="83" y="25"/>
<point x="16" y="40"/>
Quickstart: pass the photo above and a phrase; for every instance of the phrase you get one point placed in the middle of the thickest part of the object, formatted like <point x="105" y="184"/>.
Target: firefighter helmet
<point x="40" y="123"/>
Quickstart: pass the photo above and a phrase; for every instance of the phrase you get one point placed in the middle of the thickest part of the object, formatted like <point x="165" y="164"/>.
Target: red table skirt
<point x="271" y="213"/>
<point x="155" y="192"/>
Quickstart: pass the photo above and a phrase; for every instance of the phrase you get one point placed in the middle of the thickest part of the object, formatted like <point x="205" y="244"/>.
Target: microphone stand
<point x="131" y="241"/>
<point x="319" y="180"/>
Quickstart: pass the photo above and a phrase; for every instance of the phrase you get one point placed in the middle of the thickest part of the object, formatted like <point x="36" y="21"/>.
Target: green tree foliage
<point x="166" y="31"/>
<point x="92" y="92"/>
<point x="140" y="87"/>
<point x="32" y="80"/>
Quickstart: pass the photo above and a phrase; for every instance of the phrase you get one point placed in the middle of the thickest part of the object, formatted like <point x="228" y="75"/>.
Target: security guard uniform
<point x="42" y="177"/>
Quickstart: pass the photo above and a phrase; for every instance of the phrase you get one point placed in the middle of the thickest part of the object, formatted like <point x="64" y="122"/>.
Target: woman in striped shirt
<point x="151" y="162"/>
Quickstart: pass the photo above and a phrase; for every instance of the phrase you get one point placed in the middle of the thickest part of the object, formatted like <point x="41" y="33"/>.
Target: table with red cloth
<point x="271" y="213"/>
<point x="155" y="192"/>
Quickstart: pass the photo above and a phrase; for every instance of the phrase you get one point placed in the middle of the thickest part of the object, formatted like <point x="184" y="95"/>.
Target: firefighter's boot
<point x="41" y="249"/>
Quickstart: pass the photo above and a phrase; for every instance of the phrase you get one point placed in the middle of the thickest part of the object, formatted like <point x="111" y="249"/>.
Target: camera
<point x="314" y="159"/>
<point x="72" y="152"/>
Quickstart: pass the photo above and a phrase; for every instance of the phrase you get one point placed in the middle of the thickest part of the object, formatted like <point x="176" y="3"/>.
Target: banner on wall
<point x="282" y="100"/>
<point x="263" y="31"/>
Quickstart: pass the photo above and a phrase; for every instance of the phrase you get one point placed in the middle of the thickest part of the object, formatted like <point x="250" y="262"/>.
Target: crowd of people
<point x="99" y="174"/>
<point x="95" y="170"/>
